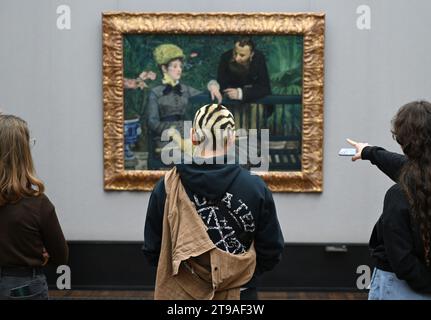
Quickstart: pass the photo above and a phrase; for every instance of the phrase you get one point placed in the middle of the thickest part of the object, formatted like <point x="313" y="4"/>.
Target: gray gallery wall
<point x="52" y="78"/>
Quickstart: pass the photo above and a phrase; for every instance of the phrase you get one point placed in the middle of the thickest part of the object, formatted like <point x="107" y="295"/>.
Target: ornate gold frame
<point x="310" y="25"/>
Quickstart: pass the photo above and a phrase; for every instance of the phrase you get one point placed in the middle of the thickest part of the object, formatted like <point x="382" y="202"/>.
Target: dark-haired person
<point x="211" y="227"/>
<point x="243" y="76"/>
<point x="400" y="242"/>
<point x="242" y="72"/>
<point x="30" y="234"/>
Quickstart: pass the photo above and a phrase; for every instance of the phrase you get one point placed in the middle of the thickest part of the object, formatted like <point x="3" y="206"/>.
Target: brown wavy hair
<point x="17" y="175"/>
<point x="411" y="127"/>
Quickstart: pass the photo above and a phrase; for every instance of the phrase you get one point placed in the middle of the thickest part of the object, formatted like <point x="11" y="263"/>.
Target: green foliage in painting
<point x="284" y="58"/>
<point x="283" y="55"/>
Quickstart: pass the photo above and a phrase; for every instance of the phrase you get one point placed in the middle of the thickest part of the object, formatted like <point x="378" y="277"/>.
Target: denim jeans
<point x="23" y="288"/>
<point x="386" y="286"/>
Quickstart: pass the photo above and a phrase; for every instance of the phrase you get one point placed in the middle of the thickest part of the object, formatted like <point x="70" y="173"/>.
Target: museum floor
<point x="148" y="295"/>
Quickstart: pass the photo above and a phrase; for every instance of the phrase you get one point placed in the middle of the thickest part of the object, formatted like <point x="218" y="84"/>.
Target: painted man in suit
<point x="243" y="76"/>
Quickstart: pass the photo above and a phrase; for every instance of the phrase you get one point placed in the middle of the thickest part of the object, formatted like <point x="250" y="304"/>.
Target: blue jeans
<point x="386" y="286"/>
<point x="23" y="288"/>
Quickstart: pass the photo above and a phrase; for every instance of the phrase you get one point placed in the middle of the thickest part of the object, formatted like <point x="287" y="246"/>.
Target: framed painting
<point x="266" y="68"/>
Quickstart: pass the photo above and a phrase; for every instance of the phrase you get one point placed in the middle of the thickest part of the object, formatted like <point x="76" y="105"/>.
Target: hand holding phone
<point x="349" y="152"/>
<point x="359" y="146"/>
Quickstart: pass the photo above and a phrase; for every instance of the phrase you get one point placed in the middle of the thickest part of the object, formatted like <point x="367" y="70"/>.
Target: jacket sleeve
<point x="222" y="76"/>
<point x="399" y="245"/>
<point x="153" y="113"/>
<point x="52" y="235"/>
<point x="269" y="242"/>
<point x="390" y="163"/>
<point x="193" y="92"/>
<point x="261" y="85"/>
<point x="154" y="224"/>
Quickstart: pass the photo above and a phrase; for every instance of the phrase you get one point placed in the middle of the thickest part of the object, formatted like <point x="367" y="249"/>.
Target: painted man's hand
<point x="215" y="94"/>
<point x="232" y="93"/>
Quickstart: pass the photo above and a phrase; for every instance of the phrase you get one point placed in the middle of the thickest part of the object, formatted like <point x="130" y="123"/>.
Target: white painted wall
<point x="53" y="79"/>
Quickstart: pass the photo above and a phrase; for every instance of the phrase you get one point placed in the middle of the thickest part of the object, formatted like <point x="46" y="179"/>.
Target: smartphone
<point x="23" y="291"/>
<point x="350" y="152"/>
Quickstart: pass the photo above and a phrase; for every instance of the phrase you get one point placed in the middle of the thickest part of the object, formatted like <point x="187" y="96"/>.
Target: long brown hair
<point x="17" y="176"/>
<point x="411" y="127"/>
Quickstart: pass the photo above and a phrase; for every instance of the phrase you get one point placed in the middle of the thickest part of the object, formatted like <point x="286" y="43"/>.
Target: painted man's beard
<point x="239" y="70"/>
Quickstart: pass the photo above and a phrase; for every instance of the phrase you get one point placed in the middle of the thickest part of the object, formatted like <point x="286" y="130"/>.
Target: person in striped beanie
<point x="213" y="130"/>
<point x="211" y="207"/>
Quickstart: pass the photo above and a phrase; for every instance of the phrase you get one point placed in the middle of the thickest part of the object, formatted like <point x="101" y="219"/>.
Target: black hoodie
<point x="396" y="243"/>
<point x="236" y="206"/>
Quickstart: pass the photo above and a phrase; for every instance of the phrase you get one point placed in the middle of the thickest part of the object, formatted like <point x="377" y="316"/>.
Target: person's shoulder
<point x="227" y="54"/>
<point x="252" y="180"/>
<point x="39" y="202"/>
<point x="158" y="90"/>
<point x="186" y="87"/>
<point x="159" y="187"/>
<point x="160" y="183"/>
<point x="396" y="212"/>
<point x="158" y="195"/>
<point x="395" y="196"/>
<point x="258" y="54"/>
<point x="45" y="201"/>
<point x="395" y="191"/>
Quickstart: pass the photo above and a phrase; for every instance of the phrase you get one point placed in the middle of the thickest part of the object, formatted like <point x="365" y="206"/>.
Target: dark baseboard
<point x="103" y="265"/>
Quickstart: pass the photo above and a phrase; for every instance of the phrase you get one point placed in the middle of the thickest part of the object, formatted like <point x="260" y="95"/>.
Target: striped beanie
<point x="212" y="120"/>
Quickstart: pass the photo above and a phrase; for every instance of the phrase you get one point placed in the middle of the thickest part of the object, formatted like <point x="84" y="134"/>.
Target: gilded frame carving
<point x="310" y="25"/>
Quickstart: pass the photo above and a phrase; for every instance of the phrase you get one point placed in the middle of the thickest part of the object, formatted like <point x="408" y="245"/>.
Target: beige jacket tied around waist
<point x="190" y="265"/>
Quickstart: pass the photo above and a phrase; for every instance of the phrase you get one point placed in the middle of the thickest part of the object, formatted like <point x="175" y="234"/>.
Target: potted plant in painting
<point x="132" y="131"/>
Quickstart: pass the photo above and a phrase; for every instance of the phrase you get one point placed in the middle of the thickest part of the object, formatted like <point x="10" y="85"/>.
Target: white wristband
<point x="239" y="93"/>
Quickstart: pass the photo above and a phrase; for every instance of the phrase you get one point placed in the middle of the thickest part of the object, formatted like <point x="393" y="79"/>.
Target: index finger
<point x="353" y="143"/>
<point x="219" y="98"/>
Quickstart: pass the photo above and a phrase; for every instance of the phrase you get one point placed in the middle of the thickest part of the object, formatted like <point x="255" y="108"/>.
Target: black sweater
<point x="235" y="206"/>
<point x="28" y="226"/>
<point x="395" y="242"/>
